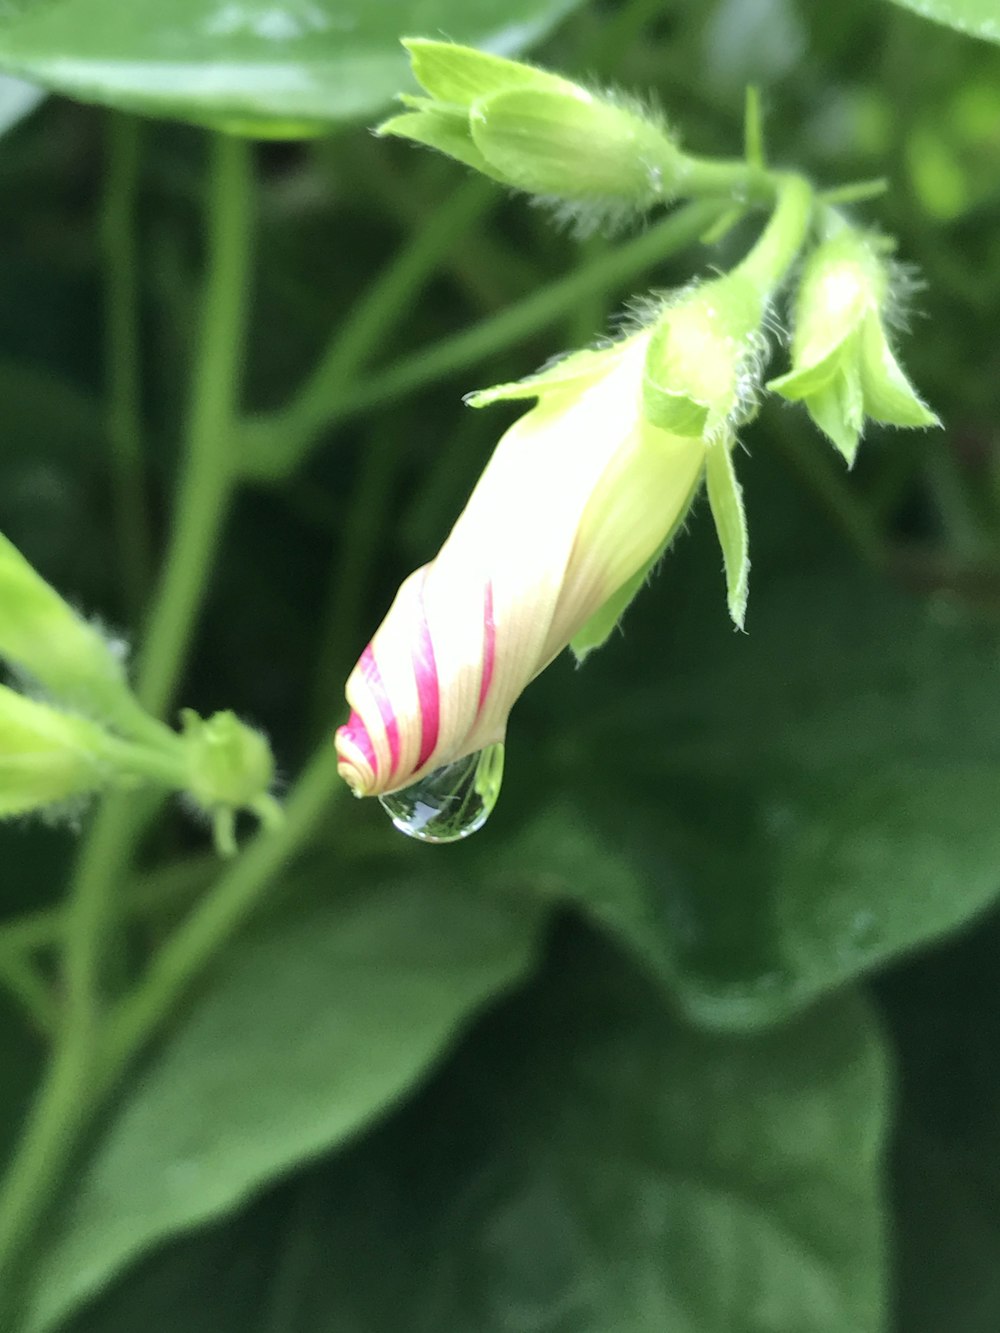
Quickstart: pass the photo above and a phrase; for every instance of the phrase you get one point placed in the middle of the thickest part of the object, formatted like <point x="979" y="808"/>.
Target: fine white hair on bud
<point x="579" y="496"/>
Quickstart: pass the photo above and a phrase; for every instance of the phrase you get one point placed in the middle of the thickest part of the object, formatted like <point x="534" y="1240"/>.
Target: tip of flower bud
<point x="357" y="762"/>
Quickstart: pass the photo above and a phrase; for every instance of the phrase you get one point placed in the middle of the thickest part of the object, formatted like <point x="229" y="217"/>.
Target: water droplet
<point x="451" y="802"/>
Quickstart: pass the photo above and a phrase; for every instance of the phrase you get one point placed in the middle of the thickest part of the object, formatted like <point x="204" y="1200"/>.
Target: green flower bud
<point x="46" y="757"/>
<point x="537" y="132"/>
<point x="229" y="763"/>
<point x="229" y="768"/>
<point x="44" y="637"/>
<point x="843" y="368"/>
<point x="704" y="361"/>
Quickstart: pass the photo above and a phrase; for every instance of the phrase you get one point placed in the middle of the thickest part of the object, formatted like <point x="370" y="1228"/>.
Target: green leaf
<point x="17" y="100"/>
<point x="278" y="67"/>
<point x="585" y="1164"/>
<point x="777" y="814"/>
<point x="979" y="18"/>
<point x="944" y="1011"/>
<point x="310" y="1032"/>
<point x="726" y="500"/>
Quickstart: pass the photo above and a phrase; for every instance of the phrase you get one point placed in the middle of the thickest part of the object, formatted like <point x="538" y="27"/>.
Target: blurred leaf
<point x="584" y="1164"/>
<point x="944" y="1014"/>
<point x="17" y="100"/>
<point x="787" y="810"/>
<point x="979" y="18"/>
<point x="310" y="1032"/>
<point x="273" y="67"/>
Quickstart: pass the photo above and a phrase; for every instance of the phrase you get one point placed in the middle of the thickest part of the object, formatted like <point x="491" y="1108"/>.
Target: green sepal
<point x="599" y="628"/>
<point x="838" y="409"/>
<point x="795" y="385"/>
<point x="568" y="370"/>
<point x="726" y="500"/>
<point x="889" y="396"/>
<point x="575" y="146"/>
<point x="441" y="129"/>
<point x="462" y="75"/>
<point x="595" y="632"/>
<point x="673" y="412"/>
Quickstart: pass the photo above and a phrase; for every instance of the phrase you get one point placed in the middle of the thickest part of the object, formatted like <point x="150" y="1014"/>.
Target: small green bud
<point x="575" y="146"/>
<point x="843" y="368"/>
<point x="537" y="132"/>
<point x="704" y="361"/>
<point x="230" y="765"/>
<point x="43" y="636"/>
<point x="46" y="757"/>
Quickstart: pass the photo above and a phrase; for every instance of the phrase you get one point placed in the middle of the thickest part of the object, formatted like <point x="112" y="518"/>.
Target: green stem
<point x="209" y="475"/>
<point x="783" y="237"/>
<point x="121" y="265"/>
<point x="288" y="434"/>
<point x="218" y="916"/>
<point x="69" y="1089"/>
<point x="24" y="982"/>
<point x="361" y="532"/>
<point x="484" y="340"/>
<point x="160" y="891"/>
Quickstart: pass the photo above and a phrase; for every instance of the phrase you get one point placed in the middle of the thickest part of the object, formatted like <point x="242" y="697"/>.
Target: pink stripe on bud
<point x="373" y="678"/>
<point x="355" y="733"/>
<point x="428" y="688"/>
<point x="489" y="647"/>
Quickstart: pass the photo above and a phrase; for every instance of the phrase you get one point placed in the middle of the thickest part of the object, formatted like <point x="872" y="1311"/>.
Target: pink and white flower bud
<point x="580" y="495"/>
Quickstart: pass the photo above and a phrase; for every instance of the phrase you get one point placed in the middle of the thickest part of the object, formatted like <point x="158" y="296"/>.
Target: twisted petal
<point x="579" y="494"/>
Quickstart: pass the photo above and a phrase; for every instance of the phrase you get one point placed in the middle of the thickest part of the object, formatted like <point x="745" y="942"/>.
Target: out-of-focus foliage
<point x="256" y="66"/>
<point x="674" y="1042"/>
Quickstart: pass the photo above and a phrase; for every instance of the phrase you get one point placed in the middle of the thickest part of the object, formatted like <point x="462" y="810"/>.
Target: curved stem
<point x="286" y="436"/>
<point x="218" y="916"/>
<point x="481" y="342"/>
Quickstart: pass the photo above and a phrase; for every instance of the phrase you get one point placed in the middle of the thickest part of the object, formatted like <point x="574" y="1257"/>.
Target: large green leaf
<point x="979" y="18"/>
<point x="272" y="66"/>
<point x="774" y="814"/>
<point x="585" y="1164"/>
<point x="310" y="1032"/>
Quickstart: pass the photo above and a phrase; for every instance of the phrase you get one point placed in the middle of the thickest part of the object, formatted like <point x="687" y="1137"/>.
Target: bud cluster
<point x="586" y="490"/>
<point x="76" y="729"/>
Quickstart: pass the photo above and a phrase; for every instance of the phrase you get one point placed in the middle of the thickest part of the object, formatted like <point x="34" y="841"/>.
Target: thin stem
<point x="69" y="1089"/>
<point x="279" y="441"/>
<point x="28" y="987"/>
<point x="385" y="302"/>
<point x="162" y="890"/>
<point x="121" y="266"/>
<point x="360" y="534"/>
<point x="218" y="916"/>
<point x="209" y="476"/>
<point x="527" y="317"/>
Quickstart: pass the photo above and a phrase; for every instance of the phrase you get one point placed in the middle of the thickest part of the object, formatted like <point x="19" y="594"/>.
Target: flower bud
<point x="580" y="495"/>
<point x="537" y="132"/>
<point x="44" y="637"/>
<point x="228" y="763"/>
<point x="46" y="757"/>
<point x="843" y="368"/>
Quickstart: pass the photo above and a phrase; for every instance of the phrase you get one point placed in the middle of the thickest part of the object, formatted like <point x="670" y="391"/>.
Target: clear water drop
<point x="450" y="803"/>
